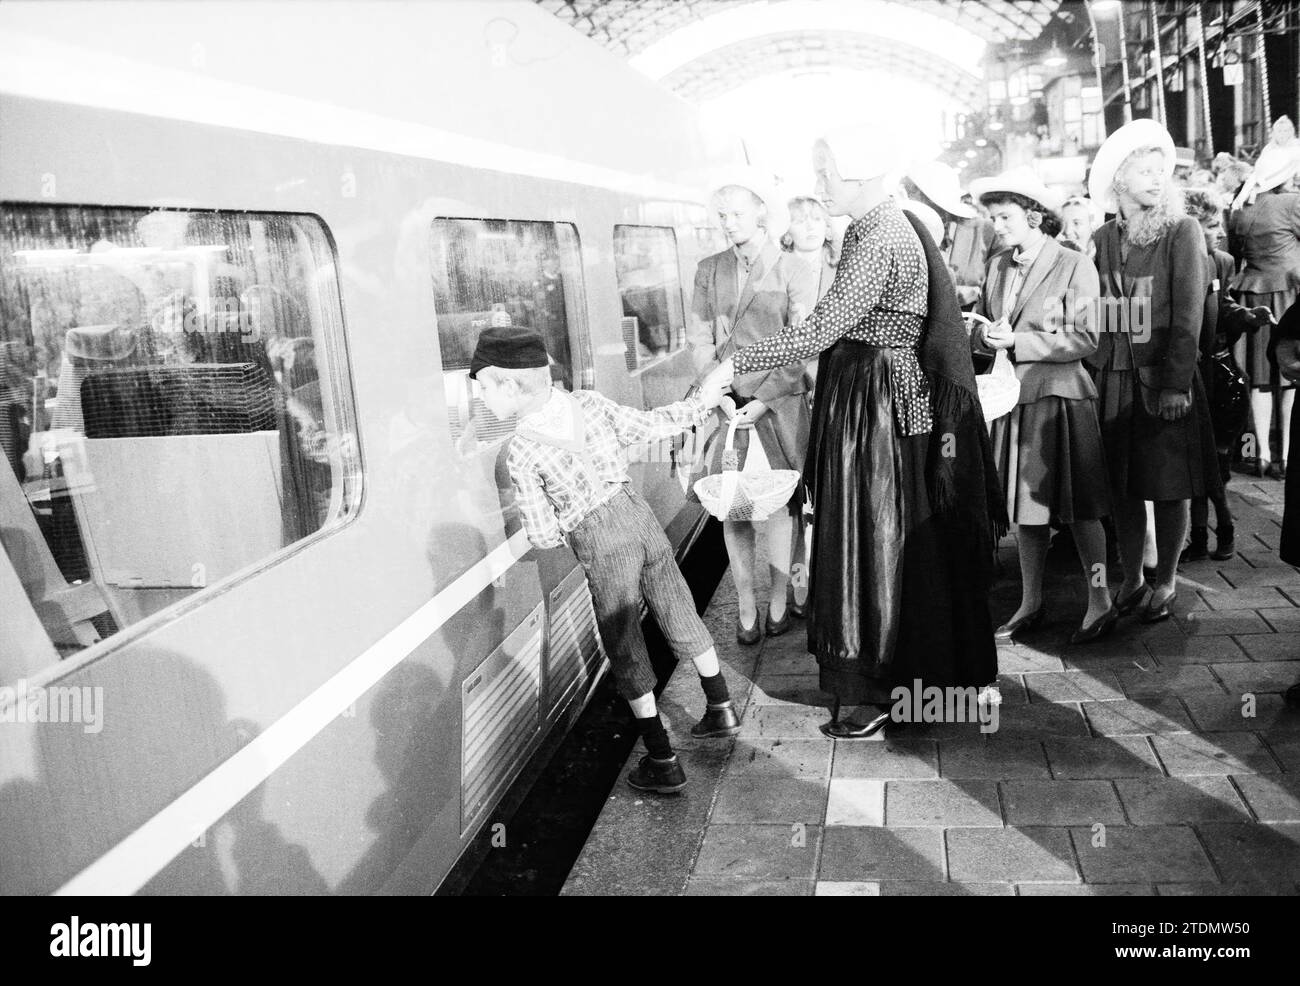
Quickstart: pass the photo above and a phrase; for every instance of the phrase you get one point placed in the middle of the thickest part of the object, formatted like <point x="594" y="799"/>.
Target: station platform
<point x="1124" y="767"/>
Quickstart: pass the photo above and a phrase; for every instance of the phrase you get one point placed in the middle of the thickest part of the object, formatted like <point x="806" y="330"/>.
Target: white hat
<point x="1118" y="146"/>
<point x="942" y="187"/>
<point x="761" y="184"/>
<point x="931" y="219"/>
<point x="1277" y="164"/>
<point x="862" y="154"/>
<point x="1021" y="181"/>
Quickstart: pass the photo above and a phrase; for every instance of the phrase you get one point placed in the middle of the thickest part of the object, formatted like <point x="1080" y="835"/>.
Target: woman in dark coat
<point x="899" y="465"/>
<point x="1287" y="337"/>
<point x="1154" y="417"/>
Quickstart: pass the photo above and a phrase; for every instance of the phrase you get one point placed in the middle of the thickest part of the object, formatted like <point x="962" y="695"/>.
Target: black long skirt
<point x="892" y="600"/>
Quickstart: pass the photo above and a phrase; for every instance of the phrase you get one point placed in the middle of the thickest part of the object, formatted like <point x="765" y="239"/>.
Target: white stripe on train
<point x="135" y="860"/>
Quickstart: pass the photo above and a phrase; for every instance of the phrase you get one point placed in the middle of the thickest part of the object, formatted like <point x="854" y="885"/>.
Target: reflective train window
<point x="654" y="320"/>
<point x="494" y="271"/>
<point x="174" y="408"/>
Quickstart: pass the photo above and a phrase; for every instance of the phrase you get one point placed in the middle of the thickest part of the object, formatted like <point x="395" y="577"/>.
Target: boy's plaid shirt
<point x="555" y="489"/>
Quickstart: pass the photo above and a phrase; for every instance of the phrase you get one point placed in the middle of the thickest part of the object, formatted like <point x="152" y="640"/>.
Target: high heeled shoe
<point x="774" y="628"/>
<point x="849" y="730"/>
<point x="1155" y="614"/>
<point x="1098" y="628"/>
<point x="1130" y="603"/>
<point x="748" y="635"/>
<point x="1006" y="633"/>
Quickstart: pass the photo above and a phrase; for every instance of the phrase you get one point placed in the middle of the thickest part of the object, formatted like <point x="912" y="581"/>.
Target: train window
<point x="654" y="320"/>
<point x="174" y="408"/>
<point x="523" y="273"/>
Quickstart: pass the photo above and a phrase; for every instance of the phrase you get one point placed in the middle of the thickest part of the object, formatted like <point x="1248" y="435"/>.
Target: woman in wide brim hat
<point x="1040" y="300"/>
<point x="968" y="241"/>
<point x="1155" y="420"/>
<point x="1264" y="236"/>
<point x="905" y="495"/>
<point x="743" y="294"/>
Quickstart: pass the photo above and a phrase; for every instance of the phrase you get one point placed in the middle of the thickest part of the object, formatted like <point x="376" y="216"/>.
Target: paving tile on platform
<point x="759" y="852"/>
<point x="1149" y="854"/>
<point x="1137" y="717"/>
<point x="1085" y="890"/>
<point x="1286" y="749"/>
<point x="1173" y="652"/>
<point x="1231" y="713"/>
<point x="790" y="689"/>
<point x="776" y="758"/>
<point x="1274" y="647"/>
<point x="1179" y="800"/>
<point x="710" y="886"/>
<point x="870" y="853"/>
<point x="1016" y="660"/>
<point x="1073" y="686"/>
<point x="943" y="803"/>
<point x="1003" y="758"/>
<point x="1210" y="622"/>
<point x="846" y="888"/>
<point x="1060" y="803"/>
<point x="1273" y="799"/>
<point x="888" y="760"/>
<point x="1266" y="854"/>
<point x="1259" y="597"/>
<point x="855" y="801"/>
<point x="782" y="722"/>
<point x="1192" y="679"/>
<point x="1040" y="719"/>
<point x="756" y="797"/>
<point x="1259" y="676"/>
<point x="1010" y="855"/>
<point x="1226" y="889"/>
<point x="1190" y="754"/>
<point x="1105" y="757"/>
<point x="908" y="888"/>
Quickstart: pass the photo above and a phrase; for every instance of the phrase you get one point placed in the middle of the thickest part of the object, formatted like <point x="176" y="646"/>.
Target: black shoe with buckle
<point x="658" y="776"/>
<point x="719" y="720"/>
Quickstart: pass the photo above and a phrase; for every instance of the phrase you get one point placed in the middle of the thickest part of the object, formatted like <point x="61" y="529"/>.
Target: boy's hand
<point x="722" y="375"/>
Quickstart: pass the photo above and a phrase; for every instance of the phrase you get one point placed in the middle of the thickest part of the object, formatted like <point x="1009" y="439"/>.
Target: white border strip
<point x="135" y="860"/>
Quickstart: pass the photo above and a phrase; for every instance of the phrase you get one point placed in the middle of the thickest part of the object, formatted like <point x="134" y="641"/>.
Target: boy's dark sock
<point x="656" y="737"/>
<point x="715" y="689"/>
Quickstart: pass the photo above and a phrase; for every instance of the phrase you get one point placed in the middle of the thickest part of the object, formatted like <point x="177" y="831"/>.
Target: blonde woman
<point x="1154" y="416"/>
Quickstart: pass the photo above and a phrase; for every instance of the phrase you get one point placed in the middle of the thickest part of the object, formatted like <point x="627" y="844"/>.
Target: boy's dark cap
<point x="512" y="347"/>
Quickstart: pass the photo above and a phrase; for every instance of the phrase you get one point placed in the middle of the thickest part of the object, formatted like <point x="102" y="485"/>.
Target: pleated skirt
<point x="1051" y="463"/>
<point x="893" y="599"/>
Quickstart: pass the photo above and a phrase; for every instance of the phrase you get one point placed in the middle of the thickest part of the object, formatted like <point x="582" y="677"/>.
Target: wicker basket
<point x="753" y="493"/>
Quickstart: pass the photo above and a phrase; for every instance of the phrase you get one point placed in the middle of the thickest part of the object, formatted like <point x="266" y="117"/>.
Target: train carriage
<point x="270" y="624"/>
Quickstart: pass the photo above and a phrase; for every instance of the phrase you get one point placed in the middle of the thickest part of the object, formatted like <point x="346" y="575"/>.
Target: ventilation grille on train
<point x="631" y="336"/>
<point x="500" y="715"/>
<point x="574" y="653"/>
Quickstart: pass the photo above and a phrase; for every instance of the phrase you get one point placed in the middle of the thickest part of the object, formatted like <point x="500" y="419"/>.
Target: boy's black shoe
<point x="658" y="776"/>
<point x="720" y="721"/>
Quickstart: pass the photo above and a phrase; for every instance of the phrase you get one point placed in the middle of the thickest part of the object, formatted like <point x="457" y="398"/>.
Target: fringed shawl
<point x="960" y="475"/>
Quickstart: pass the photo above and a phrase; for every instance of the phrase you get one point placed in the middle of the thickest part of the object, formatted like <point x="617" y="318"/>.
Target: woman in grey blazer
<point x="743" y="294"/>
<point x="1041" y="299"/>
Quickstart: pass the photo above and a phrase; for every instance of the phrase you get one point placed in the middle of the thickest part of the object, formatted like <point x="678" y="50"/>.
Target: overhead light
<point x="1055" y="58"/>
<point x="971" y="152"/>
<point x="981" y="142"/>
<point x="962" y="164"/>
<point x="995" y="125"/>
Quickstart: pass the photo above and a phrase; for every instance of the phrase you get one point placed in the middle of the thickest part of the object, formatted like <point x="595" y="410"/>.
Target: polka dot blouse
<point x="878" y="297"/>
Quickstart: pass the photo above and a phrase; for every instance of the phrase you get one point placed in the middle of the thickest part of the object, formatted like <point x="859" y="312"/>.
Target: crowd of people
<point x="852" y="359"/>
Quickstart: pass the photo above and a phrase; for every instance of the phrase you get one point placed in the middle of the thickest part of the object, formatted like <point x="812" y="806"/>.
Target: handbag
<point x="1148" y="395"/>
<point x="1229" y="398"/>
